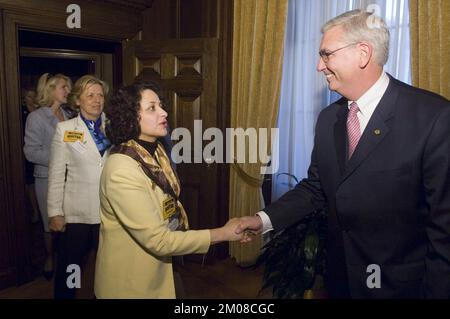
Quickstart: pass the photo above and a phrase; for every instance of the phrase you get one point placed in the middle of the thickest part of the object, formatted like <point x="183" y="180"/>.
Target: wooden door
<point x="46" y="16"/>
<point x="186" y="70"/>
<point x="7" y="271"/>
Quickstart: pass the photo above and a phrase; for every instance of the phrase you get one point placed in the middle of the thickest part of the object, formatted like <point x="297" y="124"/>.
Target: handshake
<point x="242" y="229"/>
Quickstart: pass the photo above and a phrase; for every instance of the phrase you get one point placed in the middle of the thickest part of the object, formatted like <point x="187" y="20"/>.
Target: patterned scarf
<point x="160" y="172"/>
<point x="94" y="127"/>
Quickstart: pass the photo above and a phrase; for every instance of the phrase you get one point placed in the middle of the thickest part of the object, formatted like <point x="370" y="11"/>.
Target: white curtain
<point x="304" y="91"/>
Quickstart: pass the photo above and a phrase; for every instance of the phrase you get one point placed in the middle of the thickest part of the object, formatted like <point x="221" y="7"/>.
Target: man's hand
<point x="250" y="226"/>
<point x="57" y="224"/>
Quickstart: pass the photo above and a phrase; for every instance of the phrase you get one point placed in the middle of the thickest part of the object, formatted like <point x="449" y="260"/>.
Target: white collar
<point x="369" y="100"/>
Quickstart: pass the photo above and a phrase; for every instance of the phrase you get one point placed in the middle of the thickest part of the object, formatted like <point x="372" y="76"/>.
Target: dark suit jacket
<point x="389" y="204"/>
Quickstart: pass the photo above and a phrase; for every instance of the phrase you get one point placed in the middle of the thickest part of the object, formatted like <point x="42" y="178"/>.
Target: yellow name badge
<point x="73" y="136"/>
<point x="169" y="208"/>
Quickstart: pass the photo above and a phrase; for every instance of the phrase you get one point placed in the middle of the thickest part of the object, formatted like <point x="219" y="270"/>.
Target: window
<point x="304" y="92"/>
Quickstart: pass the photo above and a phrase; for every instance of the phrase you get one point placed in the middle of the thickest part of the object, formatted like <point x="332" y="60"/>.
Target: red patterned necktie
<point x="353" y="129"/>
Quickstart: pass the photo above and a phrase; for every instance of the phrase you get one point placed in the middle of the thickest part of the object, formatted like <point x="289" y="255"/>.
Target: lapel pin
<point x="377" y="132"/>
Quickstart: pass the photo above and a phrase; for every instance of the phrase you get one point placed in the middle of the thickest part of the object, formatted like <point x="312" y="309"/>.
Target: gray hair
<point x="360" y="25"/>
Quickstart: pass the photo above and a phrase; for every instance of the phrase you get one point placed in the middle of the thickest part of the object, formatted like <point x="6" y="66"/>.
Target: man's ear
<point x="366" y="52"/>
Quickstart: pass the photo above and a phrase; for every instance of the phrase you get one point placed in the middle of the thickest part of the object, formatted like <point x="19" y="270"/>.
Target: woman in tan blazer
<point x="78" y="151"/>
<point x="143" y="224"/>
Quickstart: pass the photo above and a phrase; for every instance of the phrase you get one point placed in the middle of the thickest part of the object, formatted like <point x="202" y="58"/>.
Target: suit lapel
<point x="377" y="129"/>
<point x="340" y="136"/>
<point x="90" y="144"/>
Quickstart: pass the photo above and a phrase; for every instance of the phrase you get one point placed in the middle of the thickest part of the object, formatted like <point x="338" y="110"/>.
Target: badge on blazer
<point x="73" y="136"/>
<point x="169" y="208"/>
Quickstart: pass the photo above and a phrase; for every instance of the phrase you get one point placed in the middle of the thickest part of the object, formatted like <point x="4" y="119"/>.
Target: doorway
<point x="40" y="53"/>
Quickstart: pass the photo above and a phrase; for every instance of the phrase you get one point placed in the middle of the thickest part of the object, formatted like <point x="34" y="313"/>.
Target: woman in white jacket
<point x="78" y="151"/>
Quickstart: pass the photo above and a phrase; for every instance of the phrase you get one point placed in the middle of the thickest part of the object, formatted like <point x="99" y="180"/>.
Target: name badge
<point x="169" y="208"/>
<point x="73" y="136"/>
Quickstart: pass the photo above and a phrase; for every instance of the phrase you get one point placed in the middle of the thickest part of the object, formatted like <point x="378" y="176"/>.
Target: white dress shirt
<point x="367" y="104"/>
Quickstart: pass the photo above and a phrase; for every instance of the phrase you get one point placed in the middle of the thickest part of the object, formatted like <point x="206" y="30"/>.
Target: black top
<point x="149" y="146"/>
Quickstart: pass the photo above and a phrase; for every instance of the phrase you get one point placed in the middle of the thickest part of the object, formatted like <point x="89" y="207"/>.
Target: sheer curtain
<point x="304" y="92"/>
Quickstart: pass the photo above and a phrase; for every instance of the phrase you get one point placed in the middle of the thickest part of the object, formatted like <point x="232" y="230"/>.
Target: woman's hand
<point x="249" y="226"/>
<point x="227" y="232"/>
<point x="57" y="224"/>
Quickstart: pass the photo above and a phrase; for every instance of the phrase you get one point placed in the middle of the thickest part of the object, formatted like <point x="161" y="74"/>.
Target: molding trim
<point x="134" y="4"/>
<point x="99" y="19"/>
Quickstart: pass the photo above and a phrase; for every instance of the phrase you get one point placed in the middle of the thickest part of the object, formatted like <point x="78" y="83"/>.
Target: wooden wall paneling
<point x="190" y="197"/>
<point x="7" y="253"/>
<point x="186" y="69"/>
<point x="167" y="63"/>
<point x="43" y="16"/>
<point x="225" y="65"/>
<point x="209" y="102"/>
<point x="131" y="66"/>
<point x="18" y="225"/>
<point x="118" y="66"/>
<point x="97" y="19"/>
<point x="189" y="66"/>
<point x="190" y="18"/>
<point x="211" y="17"/>
<point x="136" y="4"/>
<point x="181" y="19"/>
<point x="129" y="62"/>
<point x="197" y="18"/>
<point x="215" y="18"/>
<point x="187" y="109"/>
<point x="159" y="21"/>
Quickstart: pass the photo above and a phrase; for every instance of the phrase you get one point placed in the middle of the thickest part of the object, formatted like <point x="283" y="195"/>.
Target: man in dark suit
<point x="380" y="167"/>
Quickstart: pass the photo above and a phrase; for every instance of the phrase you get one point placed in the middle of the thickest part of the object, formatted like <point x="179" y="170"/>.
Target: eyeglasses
<point x="325" y="55"/>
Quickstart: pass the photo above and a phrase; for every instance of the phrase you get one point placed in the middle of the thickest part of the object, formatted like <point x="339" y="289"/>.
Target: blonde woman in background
<point x="52" y="93"/>
<point x="78" y="151"/>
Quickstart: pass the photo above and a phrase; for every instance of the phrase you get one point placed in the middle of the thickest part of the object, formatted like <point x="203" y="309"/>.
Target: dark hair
<point x="122" y="111"/>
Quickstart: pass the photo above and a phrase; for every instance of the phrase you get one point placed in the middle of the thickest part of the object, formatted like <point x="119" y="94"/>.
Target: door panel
<point x="186" y="70"/>
<point x="8" y="272"/>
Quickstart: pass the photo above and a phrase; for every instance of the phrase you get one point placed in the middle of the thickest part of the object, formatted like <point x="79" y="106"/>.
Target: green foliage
<point x="294" y="257"/>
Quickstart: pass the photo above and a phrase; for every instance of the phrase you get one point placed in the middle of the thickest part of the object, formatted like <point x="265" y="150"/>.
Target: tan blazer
<point x="77" y="197"/>
<point x="136" y="245"/>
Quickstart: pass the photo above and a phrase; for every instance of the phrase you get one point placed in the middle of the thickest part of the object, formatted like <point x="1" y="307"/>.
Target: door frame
<point x="18" y="227"/>
<point x="65" y="54"/>
<point x="8" y="273"/>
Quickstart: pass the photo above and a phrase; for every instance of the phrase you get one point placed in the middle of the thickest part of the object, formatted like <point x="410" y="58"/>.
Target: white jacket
<point x="75" y="196"/>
